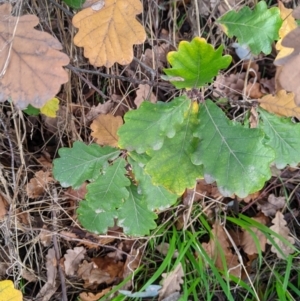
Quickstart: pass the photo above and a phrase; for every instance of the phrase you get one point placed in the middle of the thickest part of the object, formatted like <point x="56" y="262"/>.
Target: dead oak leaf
<point x="270" y="207"/>
<point x="280" y="228"/>
<point x="31" y="65"/>
<point x="72" y="260"/>
<point x="144" y="93"/>
<point x="105" y="129"/>
<point x="38" y="184"/>
<point x="248" y="242"/>
<point x="86" y="296"/>
<point x="108" y="34"/>
<point x="171" y="282"/>
<point x="219" y="247"/>
<point x="282" y="104"/>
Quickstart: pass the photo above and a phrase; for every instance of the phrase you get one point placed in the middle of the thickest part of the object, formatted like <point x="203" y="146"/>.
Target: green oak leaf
<point x="171" y="166"/>
<point x="258" y="28"/>
<point x="232" y="155"/>
<point x="109" y="190"/>
<point x="195" y="63"/>
<point x="81" y="162"/>
<point x="96" y="221"/>
<point x="146" y="127"/>
<point x="283" y="136"/>
<point x="134" y="216"/>
<point x="155" y="196"/>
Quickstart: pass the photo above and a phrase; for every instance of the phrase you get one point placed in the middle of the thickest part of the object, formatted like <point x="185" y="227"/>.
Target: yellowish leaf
<point x="287" y="26"/>
<point x="105" y="129"/>
<point x="282" y="104"/>
<point x="50" y="107"/>
<point x="281" y="228"/>
<point x="108" y="34"/>
<point x="8" y="292"/>
<point x="31" y="66"/>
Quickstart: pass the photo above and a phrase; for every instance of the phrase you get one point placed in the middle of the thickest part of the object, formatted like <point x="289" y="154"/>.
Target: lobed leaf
<point x="109" y="191"/>
<point x="256" y="28"/>
<point x="283" y="136"/>
<point x="195" y="63"/>
<point x="8" y="292"/>
<point x="155" y="196"/>
<point x="134" y="216"/>
<point x="232" y="155"/>
<point x="96" y="221"/>
<point x="81" y="162"/>
<point x="171" y="166"/>
<point x="108" y="32"/>
<point x="146" y="127"/>
<point x="32" y="65"/>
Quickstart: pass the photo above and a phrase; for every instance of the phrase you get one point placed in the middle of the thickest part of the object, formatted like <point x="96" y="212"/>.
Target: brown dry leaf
<point x="219" y="243"/>
<point x="270" y="207"/>
<point x="144" y="93"/>
<point x="171" y="282"/>
<point x="287" y="26"/>
<point x="231" y="86"/>
<point x="296" y="12"/>
<point x="253" y="90"/>
<point x="38" y="184"/>
<point x="281" y="228"/>
<point x="92" y="275"/>
<point x="109" y="265"/>
<point x="247" y="241"/>
<point x="108" y="34"/>
<point x="73" y="259"/>
<point x="281" y="104"/>
<point x="105" y="129"/>
<point x="92" y="297"/>
<point x="45" y="237"/>
<point x="156" y="57"/>
<point x="76" y="194"/>
<point x="3" y="208"/>
<point x="50" y="287"/>
<point x="99" y="109"/>
<point x="31" y="65"/>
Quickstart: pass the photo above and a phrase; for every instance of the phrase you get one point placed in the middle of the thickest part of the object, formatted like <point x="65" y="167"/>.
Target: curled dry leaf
<point x="31" y="65"/>
<point x="281" y="228"/>
<point x="108" y="34"/>
<point x="72" y="260"/>
<point x="270" y="207"/>
<point x="171" y="282"/>
<point x="282" y="104"/>
<point x="105" y="129"/>
<point x="38" y="184"/>
<point x="247" y="241"/>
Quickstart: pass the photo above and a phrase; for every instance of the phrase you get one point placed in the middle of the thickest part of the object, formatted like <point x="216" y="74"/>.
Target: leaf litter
<point x="43" y="136"/>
